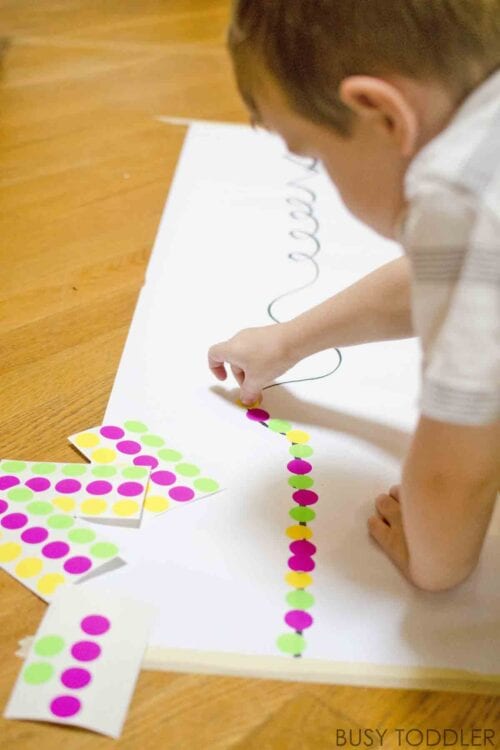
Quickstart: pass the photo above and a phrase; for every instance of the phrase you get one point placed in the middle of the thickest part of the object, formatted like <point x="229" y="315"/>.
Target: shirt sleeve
<point x="454" y="248"/>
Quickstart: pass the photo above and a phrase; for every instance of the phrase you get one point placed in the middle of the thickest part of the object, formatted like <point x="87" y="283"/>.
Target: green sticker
<point x="74" y="470"/>
<point x="301" y="482"/>
<point x="103" y="550"/>
<point x="291" y="643"/>
<point x="12" y="467"/>
<point x="38" y="672"/>
<point x="135" y="472"/>
<point x="168" y="454"/>
<point x="301" y="513"/>
<point x="301" y="451"/>
<point x="153" y="441"/>
<point x="133" y="426"/>
<point x="43" y="469"/>
<point x="49" y="645"/>
<point x="103" y="471"/>
<point x="300" y="599"/>
<point x="40" y="508"/>
<point x="59" y="521"/>
<point x="81" y="536"/>
<point x="204" y="484"/>
<point x="187" y="470"/>
<point x="279" y="425"/>
<point x="20" y="494"/>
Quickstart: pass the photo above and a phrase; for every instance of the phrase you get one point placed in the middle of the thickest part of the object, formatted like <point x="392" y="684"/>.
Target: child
<point x="400" y="101"/>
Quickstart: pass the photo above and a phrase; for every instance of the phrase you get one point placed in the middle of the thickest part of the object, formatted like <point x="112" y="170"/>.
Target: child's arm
<point x="436" y="521"/>
<point x="376" y="308"/>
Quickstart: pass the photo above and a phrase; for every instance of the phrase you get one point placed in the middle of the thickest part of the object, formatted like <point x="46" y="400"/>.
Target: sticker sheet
<point x="110" y="492"/>
<point x="175" y="479"/>
<point x="84" y="661"/>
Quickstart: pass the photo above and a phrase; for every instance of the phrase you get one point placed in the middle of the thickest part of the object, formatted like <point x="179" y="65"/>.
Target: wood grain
<point x="84" y="172"/>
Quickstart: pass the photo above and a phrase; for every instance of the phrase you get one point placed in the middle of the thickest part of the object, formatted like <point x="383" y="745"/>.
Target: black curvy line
<point x="302" y="210"/>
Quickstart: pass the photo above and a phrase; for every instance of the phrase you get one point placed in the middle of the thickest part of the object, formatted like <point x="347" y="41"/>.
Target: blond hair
<point x="310" y="46"/>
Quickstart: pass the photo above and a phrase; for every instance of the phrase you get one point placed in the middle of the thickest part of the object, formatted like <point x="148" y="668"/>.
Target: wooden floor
<point x="84" y="173"/>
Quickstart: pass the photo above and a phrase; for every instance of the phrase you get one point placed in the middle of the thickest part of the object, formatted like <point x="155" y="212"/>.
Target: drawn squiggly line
<point x="302" y="207"/>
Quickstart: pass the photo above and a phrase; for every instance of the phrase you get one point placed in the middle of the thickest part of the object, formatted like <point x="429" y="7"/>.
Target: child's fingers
<point x="250" y="392"/>
<point x="238" y="373"/>
<point x="216" y="360"/>
<point x="380" y="531"/>
<point x="388" y="507"/>
<point x="395" y="491"/>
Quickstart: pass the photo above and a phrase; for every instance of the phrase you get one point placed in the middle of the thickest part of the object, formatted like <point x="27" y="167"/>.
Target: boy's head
<point x="362" y="84"/>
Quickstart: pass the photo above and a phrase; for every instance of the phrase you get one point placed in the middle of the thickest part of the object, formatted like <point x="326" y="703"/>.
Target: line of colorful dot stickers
<point x="301" y="562"/>
<point x="174" y="479"/>
<point x="84" y="661"/>
<point x="41" y="544"/>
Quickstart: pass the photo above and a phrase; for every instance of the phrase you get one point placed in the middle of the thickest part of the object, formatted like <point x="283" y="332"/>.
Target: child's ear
<point x="380" y="101"/>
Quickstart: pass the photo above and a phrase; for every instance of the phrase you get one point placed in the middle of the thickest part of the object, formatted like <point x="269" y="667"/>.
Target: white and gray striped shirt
<point x="451" y="233"/>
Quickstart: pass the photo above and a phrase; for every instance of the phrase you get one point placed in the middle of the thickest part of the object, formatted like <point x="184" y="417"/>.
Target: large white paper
<point x="217" y="570"/>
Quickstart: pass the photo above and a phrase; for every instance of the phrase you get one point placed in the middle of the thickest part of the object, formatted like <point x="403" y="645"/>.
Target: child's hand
<point x="386" y="527"/>
<point x="256" y="356"/>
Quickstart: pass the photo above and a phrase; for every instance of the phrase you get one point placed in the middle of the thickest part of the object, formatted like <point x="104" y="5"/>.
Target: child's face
<point x="366" y="167"/>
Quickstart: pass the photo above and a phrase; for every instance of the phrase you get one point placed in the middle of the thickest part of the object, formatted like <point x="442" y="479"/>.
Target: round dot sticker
<point x="258" y="415"/>
<point x="8" y="482"/>
<point x="112" y="432"/>
<point x="38" y="484"/>
<point x="43" y="469"/>
<point x="81" y="536"/>
<point x="135" y="472"/>
<point x="75" y="678"/>
<point x="298" y="620"/>
<point x="187" y="470"/>
<point x="77" y="565"/>
<point x="181" y="494"/>
<point x="301" y="451"/>
<point x="103" y="472"/>
<point x="20" y="494"/>
<point x="12" y="467"/>
<point x="128" y="447"/>
<point x="86" y="440"/>
<point x="300" y="599"/>
<point x="156" y="504"/>
<point x="298" y="580"/>
<point x="303" y="547"/>
<point x="38" y="672"/>
<point x="14" y="521"/>
<point x="301" y="563"/>
<point x="3" y="506"/>
<point x="130" y="489"/>
<point x="99" y="487"/>
<point x="301" y="482"/>
<point x="168" y="454"/>
<point x="103" y="550"/>
<point x="205" y="484"/>
<point x="55" y="550"/>
<point x="49" y="645"/>
<point x="85" y="650"/>
<point x="29" y="567"/>
<point x="65" y="706"/>
<point x="95" y="624"/>
<point x="302" y="514"/>
<point x="126" y="508"/>
<point x="34" y="535"/>
<point x="150" y="461"/>
<point x="48" y="583"/>
<point x="68" y="486"/>
<point x="66" y="504"/>
<point x="152" y="441"/>
<point x="58" y="521"/>
<point x="163" y="478"/>
<point x="298" y="436"/>
<point x="40" y="508"/>
<point x="279" y="425"/>
<point x="133" y="425"/>
<point x="74" y="470"/>
<point x="291" y="643"/>
<point x="10" y="551"/>
<point x="299" y="532"/>
<point x="104" y="456"/>
<point x="305" y="497"/>
<point x="299" y="466"/>
<point x="93" y="507"/>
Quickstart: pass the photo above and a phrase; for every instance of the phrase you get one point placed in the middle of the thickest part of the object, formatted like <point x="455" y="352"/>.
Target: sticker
<point x="84" y="661"/>
<point x="175" y="479"/>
